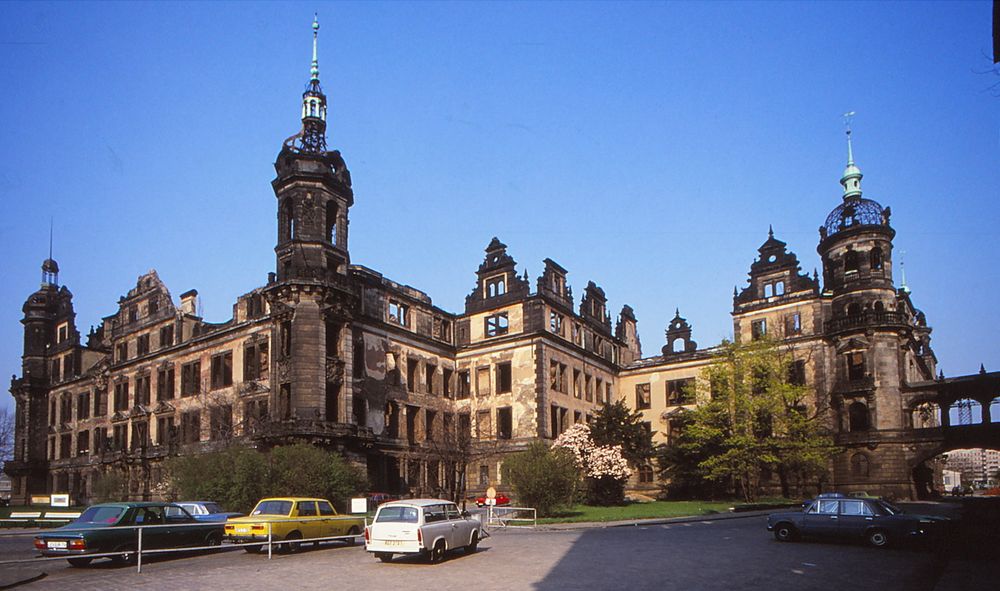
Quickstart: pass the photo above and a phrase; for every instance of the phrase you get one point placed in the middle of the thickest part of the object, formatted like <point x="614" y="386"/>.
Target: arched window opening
<point x="768" y="290"/>
<point x="995" y="410"/>
<point x="851" y="261"/>
<point x="858" y="417"/>
<point x="876" y="258"/>
<point x="878" y="307"/>
<point x="779" y="288"/>
<point x="926" y="416"/>
<point x="860" y="465"/>
<point x="680" y="345"/>
<point x="331" y="222"/>
<point x="966" y="412"/>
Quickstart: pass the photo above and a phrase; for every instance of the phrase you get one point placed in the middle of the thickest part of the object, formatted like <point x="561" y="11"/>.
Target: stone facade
<point x="332" y="352"/>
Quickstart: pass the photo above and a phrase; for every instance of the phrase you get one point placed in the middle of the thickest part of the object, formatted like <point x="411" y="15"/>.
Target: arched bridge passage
<point x="982" y="389"/>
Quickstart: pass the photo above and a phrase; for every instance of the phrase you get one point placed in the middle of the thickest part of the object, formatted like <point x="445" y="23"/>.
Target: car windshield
<point x="101" y="515"/>
<point x="397" y="515"/>
<point x="212" y="508"/>
<point x="273" y="508"/>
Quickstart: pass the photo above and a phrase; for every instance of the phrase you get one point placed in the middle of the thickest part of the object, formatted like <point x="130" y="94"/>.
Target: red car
<point x="501" y="500"/>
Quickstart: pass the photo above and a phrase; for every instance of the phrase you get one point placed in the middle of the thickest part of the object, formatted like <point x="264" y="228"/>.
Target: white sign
<point x="491" y="501"/>
<point x="359" y="505"/>
<point x="61" y="500"/>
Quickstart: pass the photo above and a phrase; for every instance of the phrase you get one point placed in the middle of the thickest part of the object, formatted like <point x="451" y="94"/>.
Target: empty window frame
<point x="855" y="365"/>
<point x="411" y="374"/>
<point x="255" y="362"/>
<point x="399" y="313"/>
<point x="505" y="422"/>
<point x="191" y="378"/>
<point x="556" y="321"/>
<point x="503" y="377"/>
<point x="642" y="397"/>
<point x="758" y="328"/>
<point x="166" y="336"/>
<point x="496" y="286"/>
<point x="142" y="390"/>
<point x="482" y="381"/>
<point x="222" y="370"/>
<point x="463" y="388"/>
<point x="793" y="324"/>
<point x="142" y="344"/>
<point x="496" y="324"/>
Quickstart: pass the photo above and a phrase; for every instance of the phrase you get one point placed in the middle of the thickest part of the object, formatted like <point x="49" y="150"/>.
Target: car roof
<point x="292" y="499"/>
<point x="131" y="504"/>
<point x="417" y="502"/>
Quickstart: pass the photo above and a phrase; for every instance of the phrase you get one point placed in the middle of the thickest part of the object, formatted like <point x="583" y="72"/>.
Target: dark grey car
<point x="875" y="521"/>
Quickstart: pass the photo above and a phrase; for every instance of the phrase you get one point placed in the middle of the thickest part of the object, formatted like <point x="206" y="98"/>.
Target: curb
<point x="651" y="521"/>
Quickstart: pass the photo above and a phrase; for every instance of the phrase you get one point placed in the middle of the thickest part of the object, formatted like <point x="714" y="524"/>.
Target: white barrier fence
<point x="127" y="552"/>
<point x="511" y="516"/>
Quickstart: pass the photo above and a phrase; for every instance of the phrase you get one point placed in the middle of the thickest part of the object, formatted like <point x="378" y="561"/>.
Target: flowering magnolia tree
<point x="604" y="467"/>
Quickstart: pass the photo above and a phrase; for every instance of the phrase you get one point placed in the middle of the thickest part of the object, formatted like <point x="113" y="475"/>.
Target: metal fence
<point x="136" y="553"/>
<point x="511" y="516"/>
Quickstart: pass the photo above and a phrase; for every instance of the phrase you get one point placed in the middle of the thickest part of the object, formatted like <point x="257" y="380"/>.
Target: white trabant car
<point x="421" y="526"/>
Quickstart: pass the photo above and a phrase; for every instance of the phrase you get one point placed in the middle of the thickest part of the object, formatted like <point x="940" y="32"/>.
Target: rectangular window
<point x="165" y="383"/>
<point x="679" y="391"/>
<point x="505" y="422"/>
<point x="496" y="324"/>
<point x="100" y="403"/>
<point x="191" y="427"/>
<point x="556" y="323"/>
<point x="503" y="378"/>
<point x="63" y="332"/>
<point x="191" y="378"/>
<point x="120" y="438"/>
<point x="411" y="374"/>
<point x="484" y="475"/>
<point x="222" y="370"/>
<point x="464" y="385"/>
<point x="554" y="375"/>
<point x="599" y="388"/>
<point x="607" y="393"/>
<point x="164" y="426"/>
<point x="121" y="352"/>
<point x="83" y="405"/>
<point x="482" y="381"/>
<point x="140" y="435"/>
<point x="166" y="336"/>
<point x="642" y="397"/>
<point x="429" y="371"/>
<point x="286" y="338"/>
<point x="588" y="388"/>
<point x="100" y="439"/>
<point x="121" y="396"/>
<point x="577" y="417"/>
<point x="856" y="366"/>
<point x="430" y="425"/>
<point x="797" y="373"/>
<point x="83" y="443"/>
<point x="577" y="386"/>
<point x="758" y="328"/>
<point x="67" y="366"/>
<point x="484" y="427"/>
<point x="142" y="390"/>
<point x="142" y="344"/>
<point x="255" y="362"/>
<point x="221" y="422"/>
<point x="793" y="324"/>
<point x="464" y="427"/>
<point x="399" y="313"/>
<point x="446" y="388"/>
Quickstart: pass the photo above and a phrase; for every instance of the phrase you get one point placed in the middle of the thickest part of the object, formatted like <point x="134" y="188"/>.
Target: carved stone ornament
<point x="283" y="370"/>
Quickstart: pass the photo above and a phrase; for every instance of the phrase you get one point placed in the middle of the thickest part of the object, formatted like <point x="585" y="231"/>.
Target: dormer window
<point x="496" y="286"/>
<point x="398" y="313"/>
<point x="496" y="324"/>
<point x="63" y="333"/>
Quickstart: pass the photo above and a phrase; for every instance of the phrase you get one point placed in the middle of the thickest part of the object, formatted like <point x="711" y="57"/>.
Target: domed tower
<point x="311" y="299"/>
<point x="865" y="328"/>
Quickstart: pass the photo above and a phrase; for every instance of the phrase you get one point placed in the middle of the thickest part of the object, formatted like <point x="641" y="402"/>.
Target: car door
<point x="309" y="525"/>
<point x="435" y="525"/>
<point x="855" y="518"/>
<point x="822" y="519"/>
<point x="329" y="524"/>
<point x="460" y="531"/>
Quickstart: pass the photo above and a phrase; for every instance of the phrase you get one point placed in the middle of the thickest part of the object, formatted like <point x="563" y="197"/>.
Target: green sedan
<point x="114" y="527"/>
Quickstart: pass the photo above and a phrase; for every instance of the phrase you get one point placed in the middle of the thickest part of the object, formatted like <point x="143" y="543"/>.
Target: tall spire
<point x="50" y="269"/>
<point x="314" y="70"/>
<point x="312" y="138"/>
<point x="852" y="174"/>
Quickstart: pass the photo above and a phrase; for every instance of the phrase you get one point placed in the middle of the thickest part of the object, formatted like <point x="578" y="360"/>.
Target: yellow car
<point x="292" y="519"/>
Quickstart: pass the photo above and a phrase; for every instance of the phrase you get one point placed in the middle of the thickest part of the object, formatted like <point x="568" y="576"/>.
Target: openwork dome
<point x="855" y="212"/>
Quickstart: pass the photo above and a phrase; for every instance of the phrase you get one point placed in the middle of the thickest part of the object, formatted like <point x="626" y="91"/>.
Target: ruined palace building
<point x="334" y="353"/>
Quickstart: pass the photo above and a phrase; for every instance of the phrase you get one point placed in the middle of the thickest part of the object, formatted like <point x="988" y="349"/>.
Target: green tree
<point x="542" y="477"/>
<point x="306" y="470"/>
<point x="110" y="485"/>
<point x="755" y="419"/>
<point x="617" y="424"/>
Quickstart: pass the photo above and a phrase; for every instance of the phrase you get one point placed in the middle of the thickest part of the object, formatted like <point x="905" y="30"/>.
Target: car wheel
<point x="213" y="539"/>
<point x="878" y="538"/>
<point x="253" y="549"/>
<point x="79" y="561"/>
<point x="384" y="556"/>
<point x="437" y="552"/>
<point x="354" y="532"/>
<point x="474" y="544"/>
<point x="785" y="532"/>
<point x="293" y="544"/>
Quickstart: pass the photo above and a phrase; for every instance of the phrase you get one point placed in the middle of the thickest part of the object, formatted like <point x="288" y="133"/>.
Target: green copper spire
<point x="314" y="71"/>
<point x="852" y="174"/>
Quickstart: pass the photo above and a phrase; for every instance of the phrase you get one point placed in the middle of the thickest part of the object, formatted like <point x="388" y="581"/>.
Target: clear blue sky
<point x="643" y="146"/>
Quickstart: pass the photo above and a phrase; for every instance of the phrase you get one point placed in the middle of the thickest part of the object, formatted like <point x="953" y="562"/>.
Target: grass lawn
<point x="579" y="513"/>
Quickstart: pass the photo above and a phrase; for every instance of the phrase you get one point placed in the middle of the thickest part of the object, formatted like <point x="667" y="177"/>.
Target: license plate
<point x="394" y="542"/>
<point x="242" y="530"/>
<point x="57" y="545"/>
